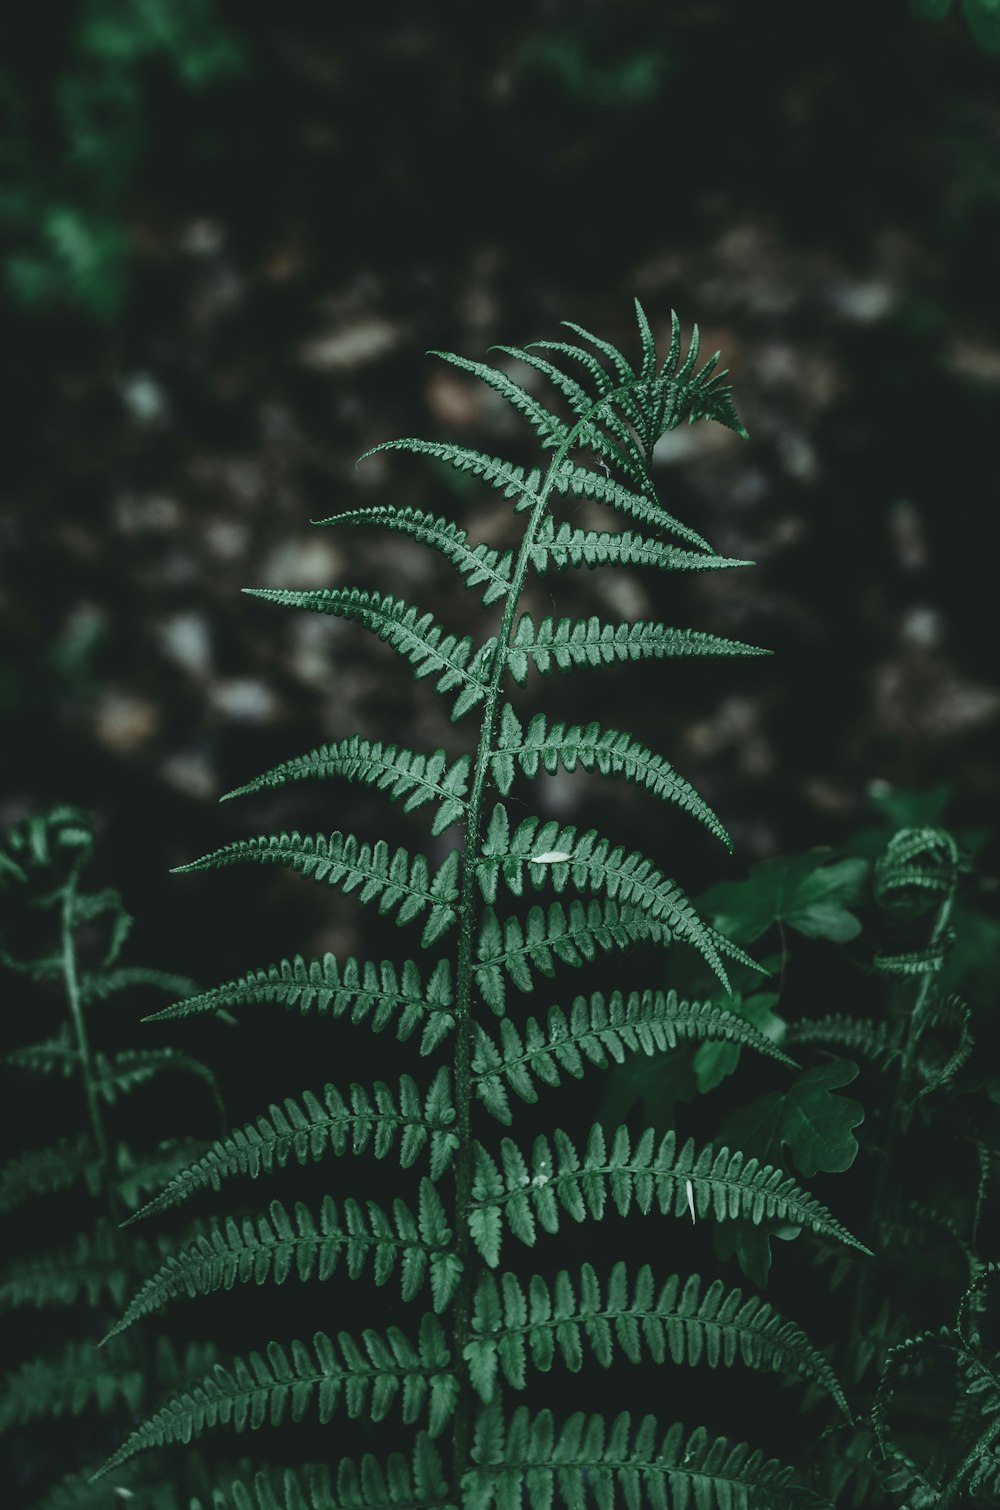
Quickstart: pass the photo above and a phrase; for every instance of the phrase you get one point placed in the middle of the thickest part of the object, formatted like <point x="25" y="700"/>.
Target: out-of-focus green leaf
<point x="808" y="892"/>
<point x="714" y="1061"/>
<point x="750" y="1244"/>
<point x="814" y="1124"/>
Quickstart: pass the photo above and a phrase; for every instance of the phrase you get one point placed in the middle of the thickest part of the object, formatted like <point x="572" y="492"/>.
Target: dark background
<point x="289" y="208"/>
<point x="233" y="231"/>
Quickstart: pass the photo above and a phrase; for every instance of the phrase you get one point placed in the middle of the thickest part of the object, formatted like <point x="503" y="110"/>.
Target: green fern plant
<point x="63" y="941"/>
<point x="934" y="1419"/>
<point x="500" y="911"/>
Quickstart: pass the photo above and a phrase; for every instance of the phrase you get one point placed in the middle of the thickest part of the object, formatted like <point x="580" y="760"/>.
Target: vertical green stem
<point x="86" y="1058"/>
<point x="468" y="913"/>
<point x="901" y="1106"/>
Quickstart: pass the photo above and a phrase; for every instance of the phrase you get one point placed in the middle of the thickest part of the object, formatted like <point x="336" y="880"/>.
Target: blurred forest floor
<point x="236" y="237"/>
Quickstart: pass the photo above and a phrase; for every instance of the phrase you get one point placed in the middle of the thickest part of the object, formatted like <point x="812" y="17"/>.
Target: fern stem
<point x="464" y="1034"/>
<point x="72" y="981"/>
<point x="975" y="1456"/>
<point x="899" y="1111"/>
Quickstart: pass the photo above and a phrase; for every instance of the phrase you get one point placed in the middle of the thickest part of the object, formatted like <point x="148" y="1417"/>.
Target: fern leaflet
<point x="565" y="643"/>
<point x="328" y="987"/>
<point x="477" y="564"/>
<point x="341" y="860"/>
<point x="278" y="1245"/>
<point x="549" y="746"/>
<point x="713" y="1182"/>
<point x="400" y="772"/>
<point x="426" y="645"/>
<point x="528" y="1458"/>
<point x="379" y="1118"/>
<point x="365" y="1377"/>
<point x="680" y="1321"/>
<point x="599" y="1031"/>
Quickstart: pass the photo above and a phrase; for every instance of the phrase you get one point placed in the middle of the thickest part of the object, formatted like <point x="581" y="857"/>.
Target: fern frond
<point x="526" y="1461"/>
<point x="280" y="1244"/>
<point x="566" y="643"/>
<point x="666" y="398"/>
<point x="950" y="1011"/>
<point x="365" y="1376"/>
<point x="53" y="1056"/>
<point x="904" y="1355"/>
<point x="512" y="481"/>
<point x="879" y="1041"/>
<point x="602" y="379"/>
<point x="368" y="1485"/>
<point x="707" y="1182"/>
<point x="599" y="1031"/>
<point x="567" y="479"/>
<point x="554" y="745"/>
<point x="569" y="935"/>
<point x="398" y="881"/>
<point x="476" y="563"/>
<point x="402" y="773"/>
<point x="600" y="429"/>
<point x="44" y="1171"/>
<point x="581" y="482"/>
<point x="327" y="986"/>
<point x="680" y="1321"/>
<point x="136" y="1176"/>
<point x="115" y="1075"/>
<point x="547" y="854"/>
<point x="917" y="867"/>
<point x="563" y="545"/>
<point x="80" y="1376"/>
<point x="550" y="430"/>
<point x="93" y="1266"/>
<point x="452" y="661"/>
<point x="306" y="1129"/>
<point x="130" y="1069"/>
<point x="98" y="985"/>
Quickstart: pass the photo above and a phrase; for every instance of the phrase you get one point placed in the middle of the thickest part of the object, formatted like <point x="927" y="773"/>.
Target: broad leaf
<point x="805" y="892"/>
<point x="808" y="1118"/>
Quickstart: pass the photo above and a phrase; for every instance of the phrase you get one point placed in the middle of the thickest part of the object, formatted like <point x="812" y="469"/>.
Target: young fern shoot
<point x="480" y="1331"/>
